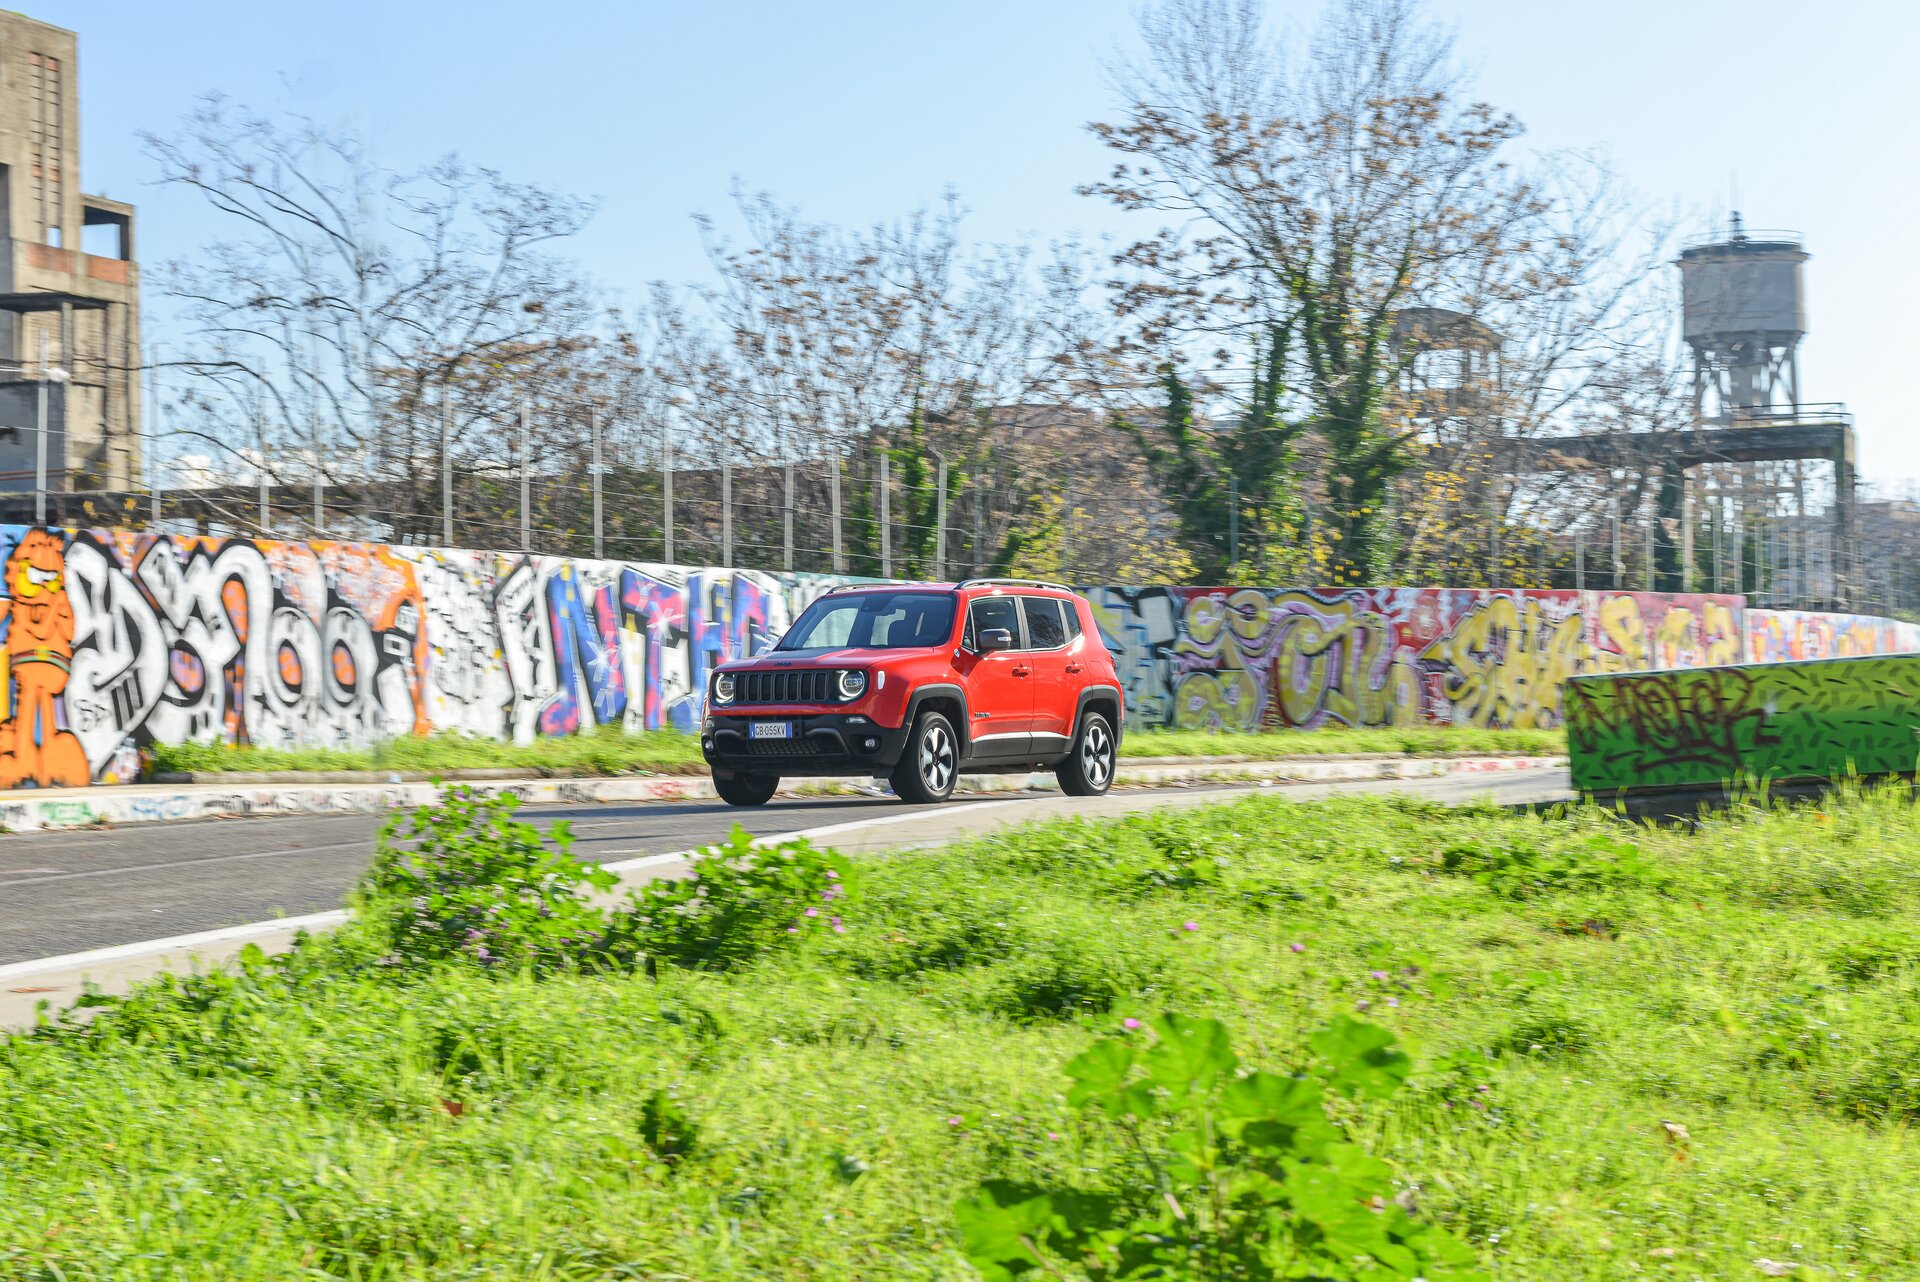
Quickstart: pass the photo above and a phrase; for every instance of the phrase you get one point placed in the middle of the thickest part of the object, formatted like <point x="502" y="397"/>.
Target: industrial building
<point x="69" y="287"/>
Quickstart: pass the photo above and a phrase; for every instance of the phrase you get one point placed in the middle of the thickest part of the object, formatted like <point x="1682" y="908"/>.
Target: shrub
<point x="465" y="880"/>
<point x="740" y="902"/>
<point x="1523" y="872"/>
<point x="1242" y="1174"/>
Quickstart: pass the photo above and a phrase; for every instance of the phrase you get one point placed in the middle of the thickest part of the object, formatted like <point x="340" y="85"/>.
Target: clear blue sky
<point x="857" y="109"/>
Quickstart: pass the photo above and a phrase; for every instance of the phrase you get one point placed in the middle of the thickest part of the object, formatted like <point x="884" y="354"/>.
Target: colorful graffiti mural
<point x="1698" y="729"/>
<point x="1244" y="658"/>
<point x="114" y="641"/>
<point x="1780" y="636"/>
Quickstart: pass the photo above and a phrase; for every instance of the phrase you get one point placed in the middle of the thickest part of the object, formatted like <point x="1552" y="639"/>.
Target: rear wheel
<point x="930" y="765"/>
<point x="1088" y="769"/>
<point x="745" y="790"/>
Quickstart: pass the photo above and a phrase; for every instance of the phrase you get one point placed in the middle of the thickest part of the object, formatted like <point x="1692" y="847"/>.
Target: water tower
<point x="1743" y="312"/>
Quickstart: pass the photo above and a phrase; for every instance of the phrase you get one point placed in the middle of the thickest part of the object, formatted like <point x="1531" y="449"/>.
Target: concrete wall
<point x="111" y="641"/>
<point x="1780" y="722"/>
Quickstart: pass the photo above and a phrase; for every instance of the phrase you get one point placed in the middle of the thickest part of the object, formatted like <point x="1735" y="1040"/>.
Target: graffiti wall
<point x="1696" y="729"/>
<point x="1248" y="658"/>
<point x="112" y="641"/>
<point x="1779" y="636"/>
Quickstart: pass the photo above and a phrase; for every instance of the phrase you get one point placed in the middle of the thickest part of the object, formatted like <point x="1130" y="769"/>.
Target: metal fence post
<point x="666" y="493"/>
<point x="726" y="512"/>
<point x="40" y="444"/>
<point x="786" y="559"/>
<point x="599" y="526"/>
<point x="1066" y="532"/>
<point x="446" y="468"/>
<point x="940" y="518"/>
<point x="839" y="554"/>
<point x="260" y="465"/>
<point x="886" y="521"/>
<point x="1619" y="565"/>
<point x="1579" y="560"/>
<point x="526" y="476"/>
<point x="153" y="437"/>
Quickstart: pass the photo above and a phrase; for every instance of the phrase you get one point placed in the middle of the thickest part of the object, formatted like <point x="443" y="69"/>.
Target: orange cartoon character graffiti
<point x="39" y="657"/>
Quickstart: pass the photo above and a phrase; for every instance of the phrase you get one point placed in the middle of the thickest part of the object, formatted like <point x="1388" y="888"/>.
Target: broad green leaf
<point x="1362" y="1059"/>
<point x="1277" y="1115"/>
<point x="993" y="1222"/>
<point x="1191" y="1054"/>
<point x="1101" y="1069"/>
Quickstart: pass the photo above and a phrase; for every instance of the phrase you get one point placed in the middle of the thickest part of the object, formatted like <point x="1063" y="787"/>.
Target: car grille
<point x="784" y="747"/>
<point x="798" y="686"/>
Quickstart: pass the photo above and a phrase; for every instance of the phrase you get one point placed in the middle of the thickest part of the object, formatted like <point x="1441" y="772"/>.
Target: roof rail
<point x="1014" y="583"/>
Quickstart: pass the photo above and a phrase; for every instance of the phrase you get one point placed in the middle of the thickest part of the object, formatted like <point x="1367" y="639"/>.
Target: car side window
<point x="991" y="612"/>
<point x="1046" y="630"/>
<point x="1073" y="618"/>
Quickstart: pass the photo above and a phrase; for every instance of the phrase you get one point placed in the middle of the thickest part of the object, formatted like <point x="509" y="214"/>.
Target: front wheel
<point x="930" y="766"/>
<point x="745" y="790"/>
<point x="1088" y="769"/>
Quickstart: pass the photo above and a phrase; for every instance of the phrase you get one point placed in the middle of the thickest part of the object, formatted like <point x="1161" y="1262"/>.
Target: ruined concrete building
<point x="69" y="288"/>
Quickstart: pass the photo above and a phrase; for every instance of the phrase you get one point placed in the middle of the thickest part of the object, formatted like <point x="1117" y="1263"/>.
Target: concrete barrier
<point x="1780" y="724"/>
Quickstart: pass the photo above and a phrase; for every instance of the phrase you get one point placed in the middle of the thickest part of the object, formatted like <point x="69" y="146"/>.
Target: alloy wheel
<point x="1096" y="755"/>
<point x="936" y="758"/>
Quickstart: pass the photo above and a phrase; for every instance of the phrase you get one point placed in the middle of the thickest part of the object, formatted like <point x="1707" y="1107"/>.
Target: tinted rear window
<point x="1045" y="628"/>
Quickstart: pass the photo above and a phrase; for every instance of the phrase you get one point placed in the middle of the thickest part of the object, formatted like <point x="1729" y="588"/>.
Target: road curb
<point x="160" y="803"/>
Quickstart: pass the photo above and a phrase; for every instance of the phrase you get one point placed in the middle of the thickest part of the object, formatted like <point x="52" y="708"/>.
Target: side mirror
<point x="992" y="639"/>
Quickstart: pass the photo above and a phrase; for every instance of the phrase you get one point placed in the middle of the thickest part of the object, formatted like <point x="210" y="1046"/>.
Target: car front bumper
<point x="826" y="743"/>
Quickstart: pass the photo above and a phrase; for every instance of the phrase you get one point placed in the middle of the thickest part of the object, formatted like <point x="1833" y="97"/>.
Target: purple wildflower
<point x="1380" y="975"/>
<point x="813" y="912"/>
<point x="1298" y="948"/>
<point x="1362" y="1004"/>
<point x="1192" y="925"/>
<point x="1130" y="1023"/>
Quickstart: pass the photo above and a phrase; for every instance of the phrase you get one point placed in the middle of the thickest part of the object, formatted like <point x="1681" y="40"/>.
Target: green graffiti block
<point x="1701" y="727"/>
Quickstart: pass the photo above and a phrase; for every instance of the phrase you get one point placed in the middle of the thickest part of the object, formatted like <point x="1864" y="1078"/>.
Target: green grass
<point x="1755" y="981"/>
<point x="610" y="752"/>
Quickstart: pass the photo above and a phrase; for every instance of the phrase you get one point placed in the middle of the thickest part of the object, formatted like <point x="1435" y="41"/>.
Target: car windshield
<point x="872" y="621"/>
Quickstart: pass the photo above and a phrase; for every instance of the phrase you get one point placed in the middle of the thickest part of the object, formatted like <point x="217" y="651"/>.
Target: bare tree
<point x="344" y="305"/>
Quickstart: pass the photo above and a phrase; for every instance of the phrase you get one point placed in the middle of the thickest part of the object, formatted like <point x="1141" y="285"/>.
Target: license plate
<point x="773" y="729"/>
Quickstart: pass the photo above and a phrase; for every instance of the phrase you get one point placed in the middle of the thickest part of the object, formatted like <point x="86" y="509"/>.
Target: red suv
<point x="921" y="682"/>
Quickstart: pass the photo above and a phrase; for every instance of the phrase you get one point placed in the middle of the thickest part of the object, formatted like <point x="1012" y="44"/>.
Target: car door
<point x="1053" y="688"/>
<point x="999" y="685"/>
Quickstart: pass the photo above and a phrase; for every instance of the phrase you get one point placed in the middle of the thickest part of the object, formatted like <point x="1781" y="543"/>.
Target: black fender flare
<point x="1102" y="691"/>
<point x="944" y="690"/>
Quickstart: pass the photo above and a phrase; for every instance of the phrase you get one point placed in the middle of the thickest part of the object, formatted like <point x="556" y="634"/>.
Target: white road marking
<point x="199" y="939"/>
<point x="318" y="921"/>
<point x="130" y="869"/>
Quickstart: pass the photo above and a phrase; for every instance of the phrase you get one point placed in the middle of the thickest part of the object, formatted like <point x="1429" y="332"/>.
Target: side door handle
<point x="1073" y="667"/>
<point x="1021" y="672"/>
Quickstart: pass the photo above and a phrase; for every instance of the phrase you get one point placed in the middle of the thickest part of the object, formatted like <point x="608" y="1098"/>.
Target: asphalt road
<point x="68" y="892"/>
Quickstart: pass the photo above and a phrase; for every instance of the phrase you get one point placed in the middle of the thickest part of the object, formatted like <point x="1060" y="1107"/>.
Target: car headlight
<point x="852" y="684"/>
<point x="723" y="687"/>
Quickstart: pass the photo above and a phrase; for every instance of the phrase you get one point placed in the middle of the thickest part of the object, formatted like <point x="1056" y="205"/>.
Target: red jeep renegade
<point x="921" y="682"/>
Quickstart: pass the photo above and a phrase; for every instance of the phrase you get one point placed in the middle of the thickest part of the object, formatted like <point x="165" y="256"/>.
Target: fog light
<point x="870" y="744"/>
<point x="707" y="744"/>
